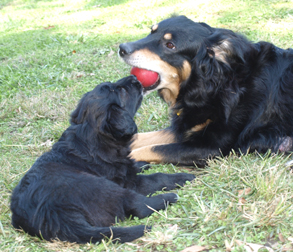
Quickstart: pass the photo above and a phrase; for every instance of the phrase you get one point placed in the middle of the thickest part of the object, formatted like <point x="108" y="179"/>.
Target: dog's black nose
<point x="124" y="49"/>
<point x="134" y="79"/>
<point x="134" y="82"/>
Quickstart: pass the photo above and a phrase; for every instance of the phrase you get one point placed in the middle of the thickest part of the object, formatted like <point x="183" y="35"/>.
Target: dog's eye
<point x="170" y="45"/>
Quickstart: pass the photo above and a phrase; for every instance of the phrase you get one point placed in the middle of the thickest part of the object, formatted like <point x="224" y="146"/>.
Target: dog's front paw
<point x="170" y="197"/>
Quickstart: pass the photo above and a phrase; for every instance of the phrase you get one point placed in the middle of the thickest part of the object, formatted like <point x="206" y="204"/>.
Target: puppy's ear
<point x="119" y="123"/>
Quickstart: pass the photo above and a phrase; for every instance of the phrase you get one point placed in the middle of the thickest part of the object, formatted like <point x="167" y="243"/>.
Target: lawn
<point x="53" y="51"/>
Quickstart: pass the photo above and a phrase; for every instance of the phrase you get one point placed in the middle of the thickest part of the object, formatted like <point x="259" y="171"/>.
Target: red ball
<point x="147" y="78"/>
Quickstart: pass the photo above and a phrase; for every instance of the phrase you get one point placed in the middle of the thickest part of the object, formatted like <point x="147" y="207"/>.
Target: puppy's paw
<point x="183" y="177"/>
<point x="142" y="166"/>
<point x="147" y="229"/>
<point x="170" y="197"/>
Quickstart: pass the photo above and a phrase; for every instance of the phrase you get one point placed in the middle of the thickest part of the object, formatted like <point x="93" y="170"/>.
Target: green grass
<point x="53" y="51"/>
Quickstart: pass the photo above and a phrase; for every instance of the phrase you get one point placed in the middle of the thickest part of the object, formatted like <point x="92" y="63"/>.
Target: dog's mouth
<point x="153" y="86"/>
<point x="149" y="79"/>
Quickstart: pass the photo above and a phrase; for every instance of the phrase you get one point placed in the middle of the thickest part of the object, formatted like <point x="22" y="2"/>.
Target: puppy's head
<point x="168" y="50"/>
<point x="109" y="109"/>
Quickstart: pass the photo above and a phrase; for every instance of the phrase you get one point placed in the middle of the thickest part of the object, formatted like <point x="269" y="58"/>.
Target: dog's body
<point x="77" y="190"/>
<point x="225" y="92"/>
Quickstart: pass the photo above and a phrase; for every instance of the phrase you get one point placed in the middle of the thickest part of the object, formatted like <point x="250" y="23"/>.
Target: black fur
<point x="77" y="190"/>
<point x="244" y="88"/>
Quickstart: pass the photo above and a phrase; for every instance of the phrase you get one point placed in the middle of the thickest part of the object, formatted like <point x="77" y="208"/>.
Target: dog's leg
<point x="175" y="153"/>
<point x="147" y="154"/>
<point x="259" y="142"/>
<point x="164" y="136"/>
<point x="147" y="184"/>
<point x="138" y="205"/>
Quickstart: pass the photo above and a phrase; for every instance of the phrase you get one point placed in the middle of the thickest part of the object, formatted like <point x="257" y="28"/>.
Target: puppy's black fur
<point x="85" y="182"/>
<point x="225" y="92"/>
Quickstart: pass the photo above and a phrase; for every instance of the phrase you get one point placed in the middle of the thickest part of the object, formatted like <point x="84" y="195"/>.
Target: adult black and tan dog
<point x="86" y="181"/>
<point x="225" y="92"/>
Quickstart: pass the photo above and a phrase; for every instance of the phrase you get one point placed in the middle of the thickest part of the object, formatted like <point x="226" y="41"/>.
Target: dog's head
<point x="108" y="110"/>
<point x="175" y="47"/>
<point x="167" y="50"/>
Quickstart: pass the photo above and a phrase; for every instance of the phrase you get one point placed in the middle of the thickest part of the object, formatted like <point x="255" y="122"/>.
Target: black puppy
<point x="77" y="190"/>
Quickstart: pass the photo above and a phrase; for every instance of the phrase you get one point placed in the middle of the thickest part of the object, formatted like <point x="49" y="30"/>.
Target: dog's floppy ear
<point x="216" y="59"/>
<point x="228" y="47"/>
<point x="81" y="111"/>
<point x="119" y="123"/>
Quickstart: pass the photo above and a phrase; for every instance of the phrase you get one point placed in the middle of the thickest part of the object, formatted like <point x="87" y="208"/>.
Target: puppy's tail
<point x="85" y="234"/>
<point x="116" y="234"/>
<point x="71" y="227"/>
<point x="78" y="231"/>
<point x="96" y="234"/>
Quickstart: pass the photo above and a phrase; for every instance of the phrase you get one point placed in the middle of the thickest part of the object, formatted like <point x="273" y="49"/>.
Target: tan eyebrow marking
<point x="155" y="27"/>
<point x="168" y="36"/>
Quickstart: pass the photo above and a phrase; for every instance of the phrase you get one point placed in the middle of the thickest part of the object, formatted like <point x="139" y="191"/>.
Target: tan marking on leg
<point x="197" y="128"/>
<point x="155" y="27"/>
<point x="146" y="154"/>
<point x="201" y="126"/>
<point x="150" y="138"/>
<point x="168" y="36"/>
